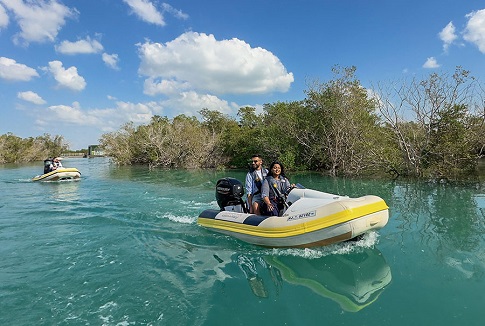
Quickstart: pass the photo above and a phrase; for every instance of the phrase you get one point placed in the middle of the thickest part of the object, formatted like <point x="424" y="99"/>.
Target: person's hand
<point x="292" y="186"/>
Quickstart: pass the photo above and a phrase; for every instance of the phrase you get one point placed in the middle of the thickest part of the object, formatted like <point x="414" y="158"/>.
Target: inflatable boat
<point x="312" y="218"/>
<point x="59" y="174"/>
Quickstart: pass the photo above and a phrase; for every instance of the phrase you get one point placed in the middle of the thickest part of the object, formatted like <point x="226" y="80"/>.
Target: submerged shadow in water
<point x="354" y="280"/>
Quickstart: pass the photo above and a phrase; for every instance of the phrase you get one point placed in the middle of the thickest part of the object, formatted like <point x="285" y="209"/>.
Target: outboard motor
<point x="47" y="164"/>
<point x="229" y="193"/>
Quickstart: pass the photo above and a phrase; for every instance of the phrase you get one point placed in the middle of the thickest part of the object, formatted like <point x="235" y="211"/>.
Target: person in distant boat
<point x="273" y="190"/>
<point x="56" y="163"/>
<point x="253" y="184"/>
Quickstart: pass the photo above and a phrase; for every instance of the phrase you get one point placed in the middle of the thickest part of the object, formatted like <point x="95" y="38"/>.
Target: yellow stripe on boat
<point x="296" y="229"/>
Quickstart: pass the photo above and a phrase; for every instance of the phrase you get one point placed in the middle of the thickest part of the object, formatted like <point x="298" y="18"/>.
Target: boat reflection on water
<point x="255" y="281"/>
<point x="353" y="280"/>
<point x="63" y="190"/>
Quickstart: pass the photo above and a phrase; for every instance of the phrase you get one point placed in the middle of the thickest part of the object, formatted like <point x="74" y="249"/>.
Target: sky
<point x="83" y="68"/>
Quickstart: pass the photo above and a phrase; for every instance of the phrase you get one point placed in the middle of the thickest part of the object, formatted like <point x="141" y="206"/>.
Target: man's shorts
<point x="257" y="198"/>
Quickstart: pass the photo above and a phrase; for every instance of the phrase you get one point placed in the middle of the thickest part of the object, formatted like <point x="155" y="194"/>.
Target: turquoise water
<point x="122" y="247"/>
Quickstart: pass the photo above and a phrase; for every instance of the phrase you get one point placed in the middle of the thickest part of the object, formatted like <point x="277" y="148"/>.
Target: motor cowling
<point x="229" y="192"/>
<point x="47" y="164"/>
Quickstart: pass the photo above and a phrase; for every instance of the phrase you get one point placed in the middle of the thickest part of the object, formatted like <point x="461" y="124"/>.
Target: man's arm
<point x="249" y="191"/>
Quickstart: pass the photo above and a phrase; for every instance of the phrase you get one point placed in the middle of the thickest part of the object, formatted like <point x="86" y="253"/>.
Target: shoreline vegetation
<point x="422" y="128"/>
<point x="14" y="149"/>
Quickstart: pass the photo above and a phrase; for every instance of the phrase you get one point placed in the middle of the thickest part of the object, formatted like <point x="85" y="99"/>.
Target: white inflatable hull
<point x="313" y="219"/>
<point x="59" y="174"/>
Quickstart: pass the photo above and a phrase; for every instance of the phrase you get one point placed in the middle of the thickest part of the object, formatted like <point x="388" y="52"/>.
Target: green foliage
<point x="445" y="138"/>
<point x="14" y="149"/>
<point x="183" y="142"/>
<point x="344" y="125"/>
<point x="286" y="133"/>
<point x="450" y="149"/>
<point x="245" y="140"/>
<point x="225" y="130"/>
<point x="120" y="144"/>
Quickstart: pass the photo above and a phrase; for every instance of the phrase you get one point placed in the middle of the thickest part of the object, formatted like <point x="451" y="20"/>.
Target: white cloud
<point x="70" y="115"/>
<point x="190" y="103"/>
<point x="3" y="17"/>
<point x="106" y="119"/>
<point x="448" y="35"/>
<point x="167" y="87"/>
<point x="32" y="97"/>
<point x="11" y="70"/>
<point x="139" y="113"/>
<point x="111" y="60"/>
<point x="175" y="12"/>
<point x="145" y="10"/>
<point x="86" y="46"/>
<point x="67" y="78"/>
<point x="39" y="21"/>
<point x="221" y="67"/>
<point x="431" y="63"/>
<point x="475" y="29"/>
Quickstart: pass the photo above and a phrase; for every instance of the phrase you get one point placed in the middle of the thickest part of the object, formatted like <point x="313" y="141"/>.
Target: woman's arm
<point x="265" y="188"/>
<point x="285" y="186"/>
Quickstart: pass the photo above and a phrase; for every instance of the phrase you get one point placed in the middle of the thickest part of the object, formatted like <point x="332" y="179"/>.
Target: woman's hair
<point x="270" y="170"/>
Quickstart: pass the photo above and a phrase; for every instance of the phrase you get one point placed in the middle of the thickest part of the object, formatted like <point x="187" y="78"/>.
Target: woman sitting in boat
<point x="274" y="187"/>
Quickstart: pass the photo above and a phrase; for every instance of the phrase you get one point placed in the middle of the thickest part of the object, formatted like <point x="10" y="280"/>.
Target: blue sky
<point x="83" y="68"/>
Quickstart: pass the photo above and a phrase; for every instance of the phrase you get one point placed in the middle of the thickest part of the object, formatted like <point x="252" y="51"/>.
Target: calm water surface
<point x="122" y="247"/>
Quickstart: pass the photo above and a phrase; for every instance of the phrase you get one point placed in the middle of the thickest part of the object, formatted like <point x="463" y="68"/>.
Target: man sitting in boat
<point x="253" y="184"/>
<point x="274" y="187"/>
<point x="56" y="163"/>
